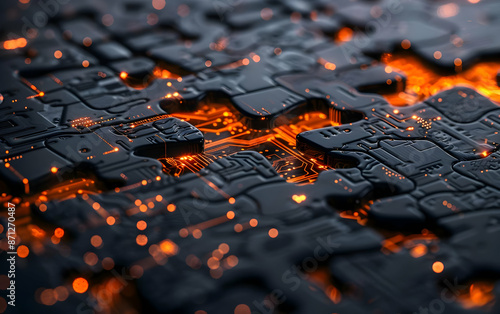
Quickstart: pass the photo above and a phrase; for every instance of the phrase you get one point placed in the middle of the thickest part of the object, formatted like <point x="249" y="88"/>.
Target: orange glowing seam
<point x="206" y="224"/>
<point x="148" y="120"/>
<point x="328" y="65"/>
<point x="479" y="294"/>
<point x="395" y="243"/>
<point x="286" y="133"/>
<point x="86" y="122"/>
<point x="161" y="73"/>
<point x="422" y="82"/>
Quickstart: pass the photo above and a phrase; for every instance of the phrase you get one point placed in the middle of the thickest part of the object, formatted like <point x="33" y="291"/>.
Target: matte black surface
<point x="258" y="126"/>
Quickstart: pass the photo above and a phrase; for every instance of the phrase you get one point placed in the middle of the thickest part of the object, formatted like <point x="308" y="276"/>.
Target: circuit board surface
<point x="244" y="156"/>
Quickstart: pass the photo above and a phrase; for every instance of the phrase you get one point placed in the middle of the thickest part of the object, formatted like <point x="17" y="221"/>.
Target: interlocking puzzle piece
<point x="432" y="164"/>
<point x="111" y="51"/>
<point x="83" y="32"/>
<point x="241" y="177"/>
<point x="137" y="69"/>
<point x="264" y="106"/>
<point x="120" y="153"/>
<point x="405" y="168"/>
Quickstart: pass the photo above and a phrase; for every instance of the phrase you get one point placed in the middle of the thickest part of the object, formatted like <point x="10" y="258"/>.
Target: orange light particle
<point x="224" y="248"/>
<point x="406" y="44"/>
<point x="171" y="208"/>
<point x="159" y="198"/>
<point x="484" y="154"/>
<point x="242" y="309"/>
<point x="438" y="55"/>
<point x="59" y="232"/>
<point x="197" y="233"/>
<point x="418" y="251"/>
<point x="61" y="293"/>
<point x="345" y="34"/>
<point x="53" y="169"/>
<point x="230" y="214"/>
<point x="85" y="63"/>
<point x="232" y="200"/>
<point x="123" y="75"/>
<point x="458" y="62"/>
<point x="107" y="20"/>
<point x="80" y="285"/>
<point x="141" y="240"/>
<point x="330" y="66"/>
<point x="141" y="225"/>
<point x="15" y="43"/>
<point x="111" y="220"/>
<point x="159" y="4"/>
<point x="47" y="297"/>
<point x="23" y="251"/>
<point x="87" y="41"/>
<point x="169" y="247"/>
<point x="299" y="198"/>
<point x="108" y="263"/>
<point x="254" y="222"/>
<point x="96" y="241"/>
<point x="183" y="232"/>
<point x="96" y="206"/>
<point x="90" y="258"/>
<point x="438" y="267"/>
<point x="238" y="228"/>
<point x="232" y="261"/>
<point x="273" y="232"/>
<point x="58" y="54"/>
<point x="213" y="263"/>
<point x="448" y="10"/>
